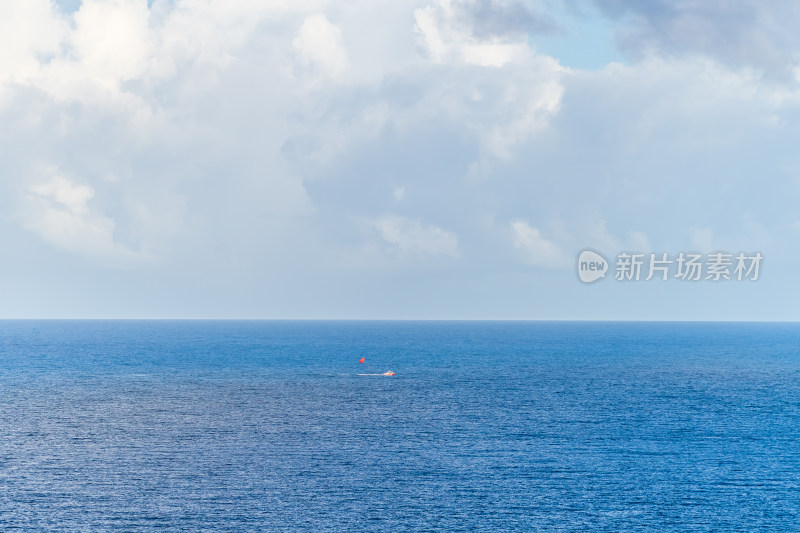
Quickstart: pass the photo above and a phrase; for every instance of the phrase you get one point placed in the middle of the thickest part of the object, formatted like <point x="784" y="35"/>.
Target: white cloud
<point x="534" y="248"/>
<point x="408" y="237"/>
<point x="319" y="44"/>
<point x="144" y="102"/>
<point x="112" y="39"/>
<point x="29" y="31"/>
<point x="64" y="193"/>
<point x="58" y="210"/>
<point x="446" y="37"/>
<point x="528" y="88"/>
<point x="598" y="237"/>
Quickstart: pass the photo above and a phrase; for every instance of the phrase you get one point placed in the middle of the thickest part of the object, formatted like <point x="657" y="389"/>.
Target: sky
<point x="432" y="159"/>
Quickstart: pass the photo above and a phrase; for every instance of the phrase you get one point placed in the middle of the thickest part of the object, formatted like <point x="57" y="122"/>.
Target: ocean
<point x="485" y="426"/>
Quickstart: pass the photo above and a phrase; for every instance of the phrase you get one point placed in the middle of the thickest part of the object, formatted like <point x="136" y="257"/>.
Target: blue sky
<point x="414" y="159"/>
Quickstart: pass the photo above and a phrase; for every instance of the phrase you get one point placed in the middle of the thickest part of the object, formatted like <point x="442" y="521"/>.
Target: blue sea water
<point x="486" y="426"/>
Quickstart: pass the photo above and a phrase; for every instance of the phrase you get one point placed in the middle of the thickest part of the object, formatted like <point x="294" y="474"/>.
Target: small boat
<point x="387" y="373"/>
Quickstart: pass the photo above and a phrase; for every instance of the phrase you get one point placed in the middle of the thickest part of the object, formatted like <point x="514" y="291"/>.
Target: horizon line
<point x="260" y="319"/>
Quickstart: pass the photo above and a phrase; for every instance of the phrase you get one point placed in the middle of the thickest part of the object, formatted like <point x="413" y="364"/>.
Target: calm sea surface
<point x="490" y="426"/>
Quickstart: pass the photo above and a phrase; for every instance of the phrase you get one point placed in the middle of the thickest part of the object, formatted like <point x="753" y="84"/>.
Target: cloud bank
<point x="254" y="158"/>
